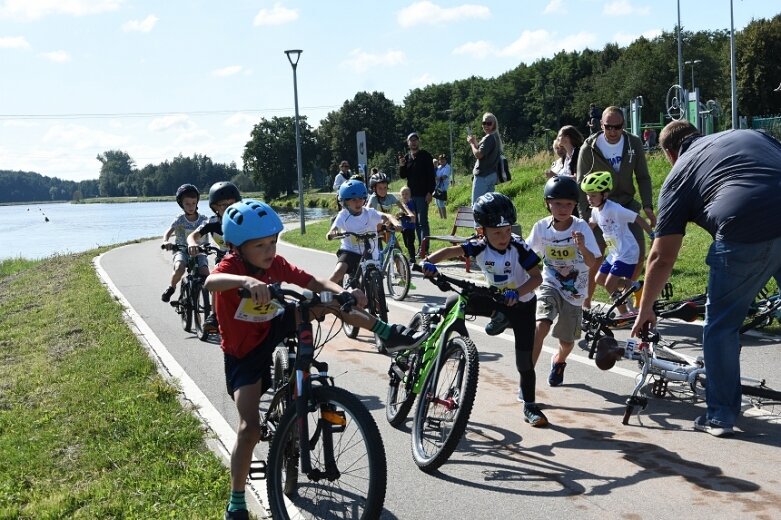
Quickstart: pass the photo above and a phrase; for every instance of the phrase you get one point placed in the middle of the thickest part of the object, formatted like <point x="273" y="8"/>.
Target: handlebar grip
<point x="346" y="300"/>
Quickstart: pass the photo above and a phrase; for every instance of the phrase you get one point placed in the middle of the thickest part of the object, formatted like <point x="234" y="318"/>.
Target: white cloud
<point x="241" y="119"/>
<point x="14" y="42"/>
<point x="35" y="9"/>
<point x="194" y="136"/>
<point x="624" y="39"/>
<point x="145" y="25"/>
<point x="361" y="61"/>
<point x="277" y="15"/>
<point x="227" y="71"/>
<point x="555" y="7"/>
<point x="422" y="81"/>
<point x="478" y="49"/>
<point x="174" y="121"/>
<point x="57" y="56"/>
<point x="624" y="8"/>
<point x="532" y="45"/>
<point x="78" y="137"/>
<point x="429" y="13"/>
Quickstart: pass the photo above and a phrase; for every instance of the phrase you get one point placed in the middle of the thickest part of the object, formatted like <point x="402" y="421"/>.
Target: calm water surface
<point x="73" y="228"/>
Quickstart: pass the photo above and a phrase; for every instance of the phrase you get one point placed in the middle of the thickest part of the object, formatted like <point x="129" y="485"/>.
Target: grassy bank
<point x="88" y="429"/>
<point x="689" y="276"/>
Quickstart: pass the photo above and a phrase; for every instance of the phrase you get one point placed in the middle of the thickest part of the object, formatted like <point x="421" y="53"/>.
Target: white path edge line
<point x="507" y="337"/>
<point x="172" y="370"/>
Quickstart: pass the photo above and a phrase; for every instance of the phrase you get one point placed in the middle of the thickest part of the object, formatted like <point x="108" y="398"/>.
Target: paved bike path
<point x="586" y="464"/>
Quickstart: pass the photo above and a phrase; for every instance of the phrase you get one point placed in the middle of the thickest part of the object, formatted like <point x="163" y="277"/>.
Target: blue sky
<point x="160" y="78"/>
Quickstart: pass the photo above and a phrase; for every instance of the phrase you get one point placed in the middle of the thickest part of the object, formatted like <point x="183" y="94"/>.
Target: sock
<point x="382" y="329"/>
<point x="237" y="501"/>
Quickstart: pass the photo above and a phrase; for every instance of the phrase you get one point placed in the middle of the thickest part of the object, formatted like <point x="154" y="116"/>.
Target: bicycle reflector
<point x="334" y="417"/>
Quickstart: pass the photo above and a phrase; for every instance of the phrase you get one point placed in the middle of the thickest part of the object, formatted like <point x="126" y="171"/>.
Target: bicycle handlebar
<point x="362" y="236"/>
<point x="206" y="249"/>
<point x="444" y="283"/>
<point x="345" y="298"/>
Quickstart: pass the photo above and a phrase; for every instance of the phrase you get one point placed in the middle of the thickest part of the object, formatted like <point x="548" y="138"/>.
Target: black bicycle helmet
<point x="377" y="178"/>
<point x="223" y="191"/>
<point x="187" y="190"/>
<point x="562" y="187"/>
<point x="494" y="210"/>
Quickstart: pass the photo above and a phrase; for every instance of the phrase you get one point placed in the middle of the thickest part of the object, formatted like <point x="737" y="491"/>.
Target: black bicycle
<point x="369" y="278"/>
<point x="327" y="458"/>
<point x="193" y="304"/>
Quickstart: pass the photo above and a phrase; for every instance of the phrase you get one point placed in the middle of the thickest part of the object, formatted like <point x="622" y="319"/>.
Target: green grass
<point x="88" y="428"/>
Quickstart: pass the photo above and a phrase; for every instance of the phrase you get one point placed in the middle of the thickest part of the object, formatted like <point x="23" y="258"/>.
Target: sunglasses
<point x="612" y="127"/>
<point x="488" y="123"/>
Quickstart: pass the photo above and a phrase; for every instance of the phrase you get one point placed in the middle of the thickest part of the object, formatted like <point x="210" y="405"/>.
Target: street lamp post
<point x="291" y="56"/>
<point x="692" y="63"/>
<point x="449" y="112"/>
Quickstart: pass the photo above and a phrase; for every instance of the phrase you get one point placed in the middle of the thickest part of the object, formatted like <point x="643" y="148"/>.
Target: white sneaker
<point x="704" y="425"/>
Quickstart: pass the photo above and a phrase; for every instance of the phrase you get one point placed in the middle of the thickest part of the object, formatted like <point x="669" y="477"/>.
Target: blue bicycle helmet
<point x="352" y="189"/>
<point x="249" y="219"/>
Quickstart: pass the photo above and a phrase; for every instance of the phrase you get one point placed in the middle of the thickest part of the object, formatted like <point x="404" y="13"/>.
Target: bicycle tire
<point x="763" y="318"/>
<point x="400" y="397"/>
<point x="431" y="444"/>
<point x="185" y="306"/>
<point x="350" y="282"/>
<point x="358" y="492"/>
<point x="201" y="310"/>
<point x="397" y="275"/>
<point x="763" y="396"/>
<point x="375" y="293"/>
<point x="281" y="368"/>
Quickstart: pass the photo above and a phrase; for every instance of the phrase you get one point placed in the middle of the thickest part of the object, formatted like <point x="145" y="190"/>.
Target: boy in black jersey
<point x="508" y="264"/>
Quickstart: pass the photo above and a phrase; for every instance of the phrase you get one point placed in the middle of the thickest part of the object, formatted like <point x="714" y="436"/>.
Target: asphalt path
<point x="586" y="464"/>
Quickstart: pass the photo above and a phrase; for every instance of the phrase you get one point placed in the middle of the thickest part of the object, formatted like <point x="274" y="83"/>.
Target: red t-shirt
<point x="240" y="337"/>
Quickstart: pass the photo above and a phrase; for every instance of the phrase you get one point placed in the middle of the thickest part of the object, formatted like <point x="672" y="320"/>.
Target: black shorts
<point x="256" y="365"/>
<point x="350" y="258"/>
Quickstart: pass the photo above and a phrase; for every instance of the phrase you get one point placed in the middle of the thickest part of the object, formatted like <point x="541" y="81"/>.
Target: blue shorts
<point x="618" y="269"/>
<point x="255" y="366"/>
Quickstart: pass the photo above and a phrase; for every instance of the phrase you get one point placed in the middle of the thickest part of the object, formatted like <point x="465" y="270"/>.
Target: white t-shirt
<point x="366" y="222"/>
<point x="563" y="266"/>
<point x="612" y="152"/>
<point x="183" y="227"/>
<point x="507" y="269"/>
<point x="614" y="219"/>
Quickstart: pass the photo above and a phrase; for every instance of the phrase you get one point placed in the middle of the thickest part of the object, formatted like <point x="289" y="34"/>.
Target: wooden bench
<point x="465" y="221"/>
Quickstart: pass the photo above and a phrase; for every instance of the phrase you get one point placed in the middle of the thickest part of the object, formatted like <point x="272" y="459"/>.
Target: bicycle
<point x="395" y="265"/>
<point x="368" y="277"/>
<point x="442" y="370"/>
<point x="193" y="304"/>
<point x="673" y="373"/>
<point x="326" y="456"/>
<point x="763" y="311"/>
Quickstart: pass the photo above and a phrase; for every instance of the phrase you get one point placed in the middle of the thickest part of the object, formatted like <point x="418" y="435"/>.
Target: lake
<point x="73" y="228"/>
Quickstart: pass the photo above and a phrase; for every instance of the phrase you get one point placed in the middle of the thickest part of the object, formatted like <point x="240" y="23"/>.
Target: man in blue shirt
<point x="729" y="184"/>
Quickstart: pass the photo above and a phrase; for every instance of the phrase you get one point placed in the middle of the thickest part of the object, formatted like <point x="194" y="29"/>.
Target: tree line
<point x="531" y="102"/>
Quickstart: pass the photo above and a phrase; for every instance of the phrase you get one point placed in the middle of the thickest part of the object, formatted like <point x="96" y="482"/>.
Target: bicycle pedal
<point x="257" y="470"/>
<point x="659" y="388"/>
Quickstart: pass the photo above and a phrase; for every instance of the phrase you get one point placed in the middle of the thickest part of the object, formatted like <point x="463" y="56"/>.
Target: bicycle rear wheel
<point x="763" y="398"/>
<point x="445" y="404"/>
<point x="185" y="307"/>
<point x="201" y="310"/>
<point x="350" y="282"/>
<point x="397" y="275"/>
<point x="348" y="461"/>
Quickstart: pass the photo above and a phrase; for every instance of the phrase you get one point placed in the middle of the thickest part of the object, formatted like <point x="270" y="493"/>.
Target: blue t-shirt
<point x="728" y="183"/>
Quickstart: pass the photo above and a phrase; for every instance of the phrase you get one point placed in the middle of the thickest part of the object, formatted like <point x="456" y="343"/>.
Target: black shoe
<point x="402" y="338"/>
<point x="210" y="324"/>
<point x="241" y="514"/>
<point x="534" y="416"/>
<point x="168" y="293"/>
<point x="497" y="324"/>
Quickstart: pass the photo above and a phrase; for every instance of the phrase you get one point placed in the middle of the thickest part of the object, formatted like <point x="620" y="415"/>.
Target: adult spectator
<point x="443" y="183"/>
<point x="417" y="166"/>
<point x="570" y="139"/>
<point x="593" y="119"/>
<point x="620" y="153"/>
<point x="487" y="153"/>
<point x="559" y="153"/>
<point x="342" y="176"/>
<point x="728" y="183"/>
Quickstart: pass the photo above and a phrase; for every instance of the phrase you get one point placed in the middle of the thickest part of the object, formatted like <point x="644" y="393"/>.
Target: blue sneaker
<point x="556" y="376"/>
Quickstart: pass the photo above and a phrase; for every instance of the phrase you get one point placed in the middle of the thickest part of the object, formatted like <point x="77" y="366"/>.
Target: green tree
<point x="116" y="167"/>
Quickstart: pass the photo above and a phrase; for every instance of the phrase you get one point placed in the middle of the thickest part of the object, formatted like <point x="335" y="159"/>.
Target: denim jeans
<point x="421" y="218"/>
<point x="737" y="273"/>
<point x="483" y="185"/>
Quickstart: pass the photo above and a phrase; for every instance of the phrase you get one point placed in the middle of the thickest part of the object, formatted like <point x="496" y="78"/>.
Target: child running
<point x="510" y="265"/>
<point x="622" y="252"/>
<point x="251" y="229"/>
<point x="568" y="248"/>
<point x="355" y="218"/>
<point x="221" y="195"/>
<point x="187" y="196"/>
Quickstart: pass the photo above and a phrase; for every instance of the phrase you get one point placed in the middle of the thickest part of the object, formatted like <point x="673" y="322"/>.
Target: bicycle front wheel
<point x="349" y="473"/>
<point x="375" y="294"/>
<point x="397" y="275"/>
<point x="403" y="374"/>
<point x="350" y="283"/>
<point x="445" y="404"/>
<point x="201" y="310"/>
<point x="185" y="307"/>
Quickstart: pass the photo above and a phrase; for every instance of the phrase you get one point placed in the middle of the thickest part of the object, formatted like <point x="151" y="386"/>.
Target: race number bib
<point x="249" y="311"/>
<point x="565" y="253"/>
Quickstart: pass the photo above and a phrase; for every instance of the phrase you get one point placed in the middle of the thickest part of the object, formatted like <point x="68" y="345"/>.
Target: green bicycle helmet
<point x="597" y="182"/>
